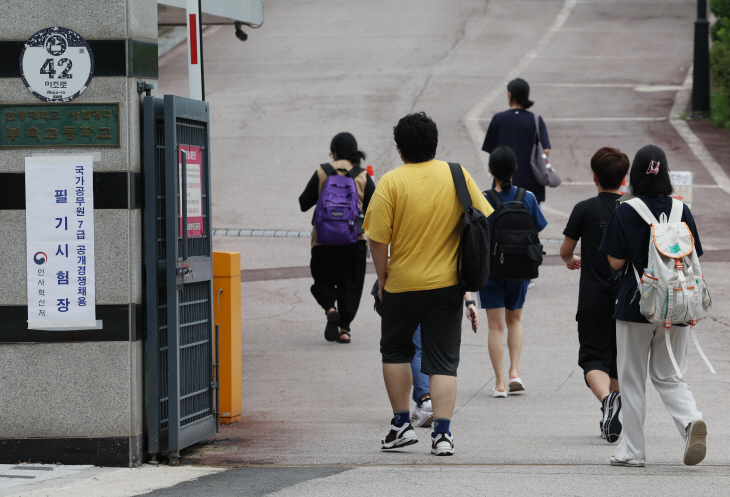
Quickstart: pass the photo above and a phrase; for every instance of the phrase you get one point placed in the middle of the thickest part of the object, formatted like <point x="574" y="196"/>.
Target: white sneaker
<point x="423" y="416"/>
<point x="631" y="463"/>
<point x="399" y="437"/>
<point x="696" y="447"/>
<point x="442" y="444"/>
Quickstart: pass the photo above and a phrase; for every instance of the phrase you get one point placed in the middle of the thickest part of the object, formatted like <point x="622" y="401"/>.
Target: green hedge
<point x="720" y="63"/>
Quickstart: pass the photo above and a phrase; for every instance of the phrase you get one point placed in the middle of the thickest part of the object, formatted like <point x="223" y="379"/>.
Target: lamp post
<point x="701" y="74"/>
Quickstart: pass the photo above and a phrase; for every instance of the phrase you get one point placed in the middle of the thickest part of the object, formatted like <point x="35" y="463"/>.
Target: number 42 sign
<point x="56" y="64"/>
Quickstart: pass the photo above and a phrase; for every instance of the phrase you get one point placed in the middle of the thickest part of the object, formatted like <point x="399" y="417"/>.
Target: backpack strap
<point x="675" y="216"/>
<point x="495" y="198"/>
<point x="460" y="182"/>
<point x="328" y="169"/>
<point x="642" y="210"/>
<point x="520" y="196"/>
<point x="601" y="215"/>
<point x="355" y="172"/>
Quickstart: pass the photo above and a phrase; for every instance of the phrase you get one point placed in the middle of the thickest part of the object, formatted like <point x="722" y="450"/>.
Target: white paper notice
<point x="59" y="197"/>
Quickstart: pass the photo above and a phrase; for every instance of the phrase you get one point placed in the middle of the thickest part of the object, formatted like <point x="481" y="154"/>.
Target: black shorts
<point x="597" y="337"/>
<point x="439" y="312"/>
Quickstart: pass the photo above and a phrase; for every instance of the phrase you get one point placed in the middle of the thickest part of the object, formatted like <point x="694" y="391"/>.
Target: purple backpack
<point x="336" y="214"/>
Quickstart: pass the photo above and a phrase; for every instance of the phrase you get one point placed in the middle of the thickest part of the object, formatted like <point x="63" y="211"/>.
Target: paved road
<point x="602" y="73"/>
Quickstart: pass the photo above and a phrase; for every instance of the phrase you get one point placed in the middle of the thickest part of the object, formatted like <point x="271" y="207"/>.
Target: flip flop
<point x="332" y="330"/>
<point x="497" y="394"/>
<point x="516" y="385"/>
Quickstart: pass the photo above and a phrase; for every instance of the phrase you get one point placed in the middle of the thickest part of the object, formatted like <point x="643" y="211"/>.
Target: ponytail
<point x="520" y="91"/>
<point x="345" y="146"/>
<point x="503" y="164"/>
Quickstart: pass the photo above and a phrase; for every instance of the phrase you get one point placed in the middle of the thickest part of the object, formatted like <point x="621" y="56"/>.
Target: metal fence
<point x="178" y="286"/>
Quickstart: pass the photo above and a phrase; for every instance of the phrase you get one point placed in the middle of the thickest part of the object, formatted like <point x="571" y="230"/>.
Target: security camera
<point x="239" y="32"/>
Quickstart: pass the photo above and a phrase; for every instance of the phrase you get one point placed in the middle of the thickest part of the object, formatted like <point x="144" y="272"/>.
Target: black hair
<point x="416" y="137"/>
<point x="345" y="146"/>
<point x="503" y="164"/>
<point x="520" y="91"/>
<point x="650" y="185"/>
<point x="610" y="166"/>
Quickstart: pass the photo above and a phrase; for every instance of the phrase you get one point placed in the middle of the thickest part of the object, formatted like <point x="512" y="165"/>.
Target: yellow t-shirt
<point x="415" y="209"/>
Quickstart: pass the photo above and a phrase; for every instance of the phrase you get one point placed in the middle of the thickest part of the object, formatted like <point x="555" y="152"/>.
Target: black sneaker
<point x="399" y="437"/>
<point x="611" y="425"/>
<point x="603" y="435"/>
<point x="332" y="330"/>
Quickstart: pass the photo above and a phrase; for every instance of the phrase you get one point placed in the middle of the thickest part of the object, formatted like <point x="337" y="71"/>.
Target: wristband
<point x="469" y="302"/>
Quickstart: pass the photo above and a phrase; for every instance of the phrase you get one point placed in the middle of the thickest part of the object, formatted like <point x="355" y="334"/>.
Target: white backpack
<point x="673" y="289"/>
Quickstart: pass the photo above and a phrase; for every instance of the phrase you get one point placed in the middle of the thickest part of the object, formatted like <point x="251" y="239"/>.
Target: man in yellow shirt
<point x="415" y="209"/>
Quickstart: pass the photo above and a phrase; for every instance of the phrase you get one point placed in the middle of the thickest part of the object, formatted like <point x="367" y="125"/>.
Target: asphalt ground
<point x="602" y="74"/>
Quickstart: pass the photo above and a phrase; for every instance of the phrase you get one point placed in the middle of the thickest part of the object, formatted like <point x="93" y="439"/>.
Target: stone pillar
<point x="76" y="397"/>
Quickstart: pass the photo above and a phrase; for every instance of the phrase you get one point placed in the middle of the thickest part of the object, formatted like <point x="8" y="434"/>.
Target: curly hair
<point x="416" y="137"/>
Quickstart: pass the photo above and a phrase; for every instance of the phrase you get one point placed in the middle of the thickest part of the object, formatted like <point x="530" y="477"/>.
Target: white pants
<point x="634" y="343"/>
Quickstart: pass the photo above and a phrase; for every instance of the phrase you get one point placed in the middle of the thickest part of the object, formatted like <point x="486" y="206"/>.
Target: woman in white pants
<point x="640" y="344"/>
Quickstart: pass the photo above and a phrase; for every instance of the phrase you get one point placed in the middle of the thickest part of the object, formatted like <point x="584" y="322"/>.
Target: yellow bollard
<point x="227" y="277"/>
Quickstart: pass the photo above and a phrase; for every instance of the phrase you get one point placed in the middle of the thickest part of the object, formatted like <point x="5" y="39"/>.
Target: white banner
<point x="59" y="219"/>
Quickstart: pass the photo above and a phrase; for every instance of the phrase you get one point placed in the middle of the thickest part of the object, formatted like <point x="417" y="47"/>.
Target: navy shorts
<point x="498" y="294"/>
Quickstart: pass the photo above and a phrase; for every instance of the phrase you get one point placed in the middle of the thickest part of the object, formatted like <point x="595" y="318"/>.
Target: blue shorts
<point x="497" y="294"/>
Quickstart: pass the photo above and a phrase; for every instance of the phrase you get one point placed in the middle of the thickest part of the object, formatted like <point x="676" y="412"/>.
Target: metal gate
<point x="179" y="279"/>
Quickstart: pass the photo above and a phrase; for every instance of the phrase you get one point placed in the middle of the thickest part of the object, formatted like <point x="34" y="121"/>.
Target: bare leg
<point x="614" y="385"/>
<point x="600" y="383"/>
<point x="443" y="395"/>
<point x="398" y="382"/>
<point x="495" y="322"/>
<point x="514" y="340"/>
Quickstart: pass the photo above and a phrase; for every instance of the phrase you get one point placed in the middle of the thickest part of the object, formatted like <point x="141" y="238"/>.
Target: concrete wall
<point x="64" y="394"/>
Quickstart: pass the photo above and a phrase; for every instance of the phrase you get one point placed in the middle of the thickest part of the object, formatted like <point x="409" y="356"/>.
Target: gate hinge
<point x="145" y="88"/>
<point x="213" y="384"/>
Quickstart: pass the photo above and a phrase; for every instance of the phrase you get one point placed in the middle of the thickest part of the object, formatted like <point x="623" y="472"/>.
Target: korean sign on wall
<point x="682" y="184"/>
<point x="60" y="244"/>
<point x="59" y="125"/>
<point x="194" y="180"/>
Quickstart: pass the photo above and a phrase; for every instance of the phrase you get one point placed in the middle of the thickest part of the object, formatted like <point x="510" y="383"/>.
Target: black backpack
<point x="614" y="280"/>
<point x="472" y="259"/>
<point x="516" y="250"/>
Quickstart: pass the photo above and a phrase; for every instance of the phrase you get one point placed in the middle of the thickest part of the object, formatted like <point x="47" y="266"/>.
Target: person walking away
<point x="640" y="344"/>
<point x="596" y="298"/>
<point x="503" y="300"/>
<point x="416" y="210"/>
<point x="338" y="268"/>
<point x="515" y="128"/>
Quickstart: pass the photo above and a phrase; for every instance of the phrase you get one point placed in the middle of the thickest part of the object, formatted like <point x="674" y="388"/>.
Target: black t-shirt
<point x="627" y="237"/>
<point x="594" y="292"/>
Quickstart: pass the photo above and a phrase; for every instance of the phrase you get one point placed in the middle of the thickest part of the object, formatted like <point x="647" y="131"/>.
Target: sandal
<point x="330" y="331"/>
<point x="345" y="334"/>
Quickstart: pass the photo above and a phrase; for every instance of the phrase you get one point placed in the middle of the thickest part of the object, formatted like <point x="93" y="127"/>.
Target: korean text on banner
<point x="194" y="180"/>
<point x="59" y="221"/>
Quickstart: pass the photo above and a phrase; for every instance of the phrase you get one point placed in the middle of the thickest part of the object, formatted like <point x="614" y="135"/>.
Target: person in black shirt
<point x="596" y="301"/>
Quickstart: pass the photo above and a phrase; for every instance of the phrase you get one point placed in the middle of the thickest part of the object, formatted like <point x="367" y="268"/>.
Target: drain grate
<point x="300" y="234"/>
<point x="262" y="233"/>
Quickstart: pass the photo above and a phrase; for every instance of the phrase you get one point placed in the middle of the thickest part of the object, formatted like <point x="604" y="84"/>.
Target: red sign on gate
<point x="194" y="180"/>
